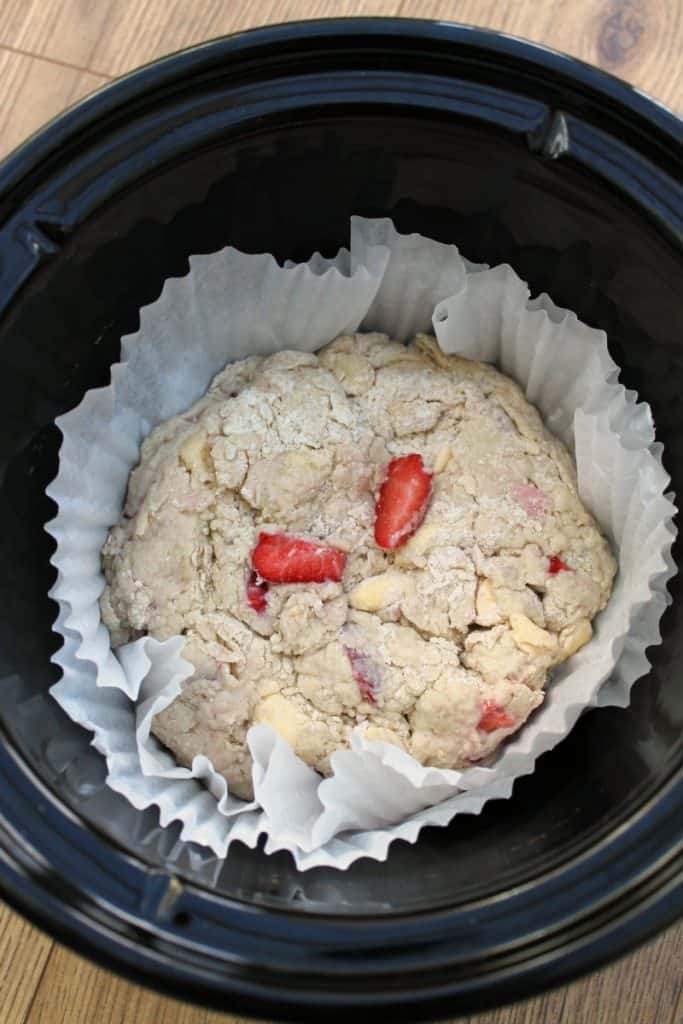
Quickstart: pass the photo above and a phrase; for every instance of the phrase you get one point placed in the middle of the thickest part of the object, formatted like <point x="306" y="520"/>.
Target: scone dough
<point x="470" y="614"/>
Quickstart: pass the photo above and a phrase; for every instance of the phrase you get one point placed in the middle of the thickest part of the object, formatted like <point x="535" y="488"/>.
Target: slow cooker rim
<point x="17" y="165"/>
<point x="90" y="935"/>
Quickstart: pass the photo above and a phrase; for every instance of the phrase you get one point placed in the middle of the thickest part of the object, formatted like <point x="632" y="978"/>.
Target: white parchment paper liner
<point x="230" y="305"/>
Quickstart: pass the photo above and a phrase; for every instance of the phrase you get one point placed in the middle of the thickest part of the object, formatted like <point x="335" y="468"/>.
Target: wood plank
<point x="639" y="41"/>
<point x="74" y="991"/>
<point x="645" y="987"/>
<point x="24" y="952"/>
<point x="634" y="39"/>
<point x="35" y="90"/>
<point x="110" y="38"/>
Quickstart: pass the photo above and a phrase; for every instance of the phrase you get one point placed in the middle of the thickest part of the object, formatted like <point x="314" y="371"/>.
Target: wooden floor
<point x="52" y="53"/>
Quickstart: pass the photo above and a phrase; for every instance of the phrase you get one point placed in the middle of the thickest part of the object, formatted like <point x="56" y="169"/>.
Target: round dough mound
<point x="455" y="631"/>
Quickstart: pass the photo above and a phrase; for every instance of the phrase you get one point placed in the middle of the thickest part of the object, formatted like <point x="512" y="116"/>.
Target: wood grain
<point x="81" y="44"/>
<point x="53" y="52"/>
<point x="33" y="91"/>
<point x="111" y="38"/>
<point x="24" y="954"/>
<point x="639" y="40"/>
<point x="644" y="988"/>
<point x="73" y="991"/>
<point x="42" y="983"/>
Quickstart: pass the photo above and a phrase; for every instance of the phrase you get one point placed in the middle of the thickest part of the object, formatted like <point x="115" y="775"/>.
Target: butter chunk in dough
<point x="443" y="646"/>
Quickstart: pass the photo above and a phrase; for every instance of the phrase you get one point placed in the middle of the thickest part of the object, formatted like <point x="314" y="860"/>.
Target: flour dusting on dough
<point x="452" y="633"/>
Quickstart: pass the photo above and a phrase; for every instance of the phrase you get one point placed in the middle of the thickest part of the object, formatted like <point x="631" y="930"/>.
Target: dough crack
<point x="442" y="646"/>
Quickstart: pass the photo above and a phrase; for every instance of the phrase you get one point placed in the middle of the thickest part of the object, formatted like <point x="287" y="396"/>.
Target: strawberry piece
<point x="534" y="502"/>
<point x="365" y="674"/>
<point x="256" y="593"/>
<point x="555" y="565"/>
<point x="494" y="717"/>
<point x="403" y="501"/>
<point x="279" y="558"/>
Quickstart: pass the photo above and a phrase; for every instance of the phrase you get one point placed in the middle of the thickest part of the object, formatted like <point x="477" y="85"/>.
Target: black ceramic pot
<point x="270" y="141"/>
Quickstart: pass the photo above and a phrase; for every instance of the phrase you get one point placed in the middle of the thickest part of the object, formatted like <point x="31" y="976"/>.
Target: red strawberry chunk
<point x="555" y="565"/>
<point x="494" y="717"/>
<point x="534" y="502"/>
<point x="256" y="593"/>
<point x="365" y="673"/>
<point x="403" y="501"/>
<point x="279" y="558"/>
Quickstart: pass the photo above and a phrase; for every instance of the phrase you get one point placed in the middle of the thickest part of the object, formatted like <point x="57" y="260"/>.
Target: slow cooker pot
<point x="270" y="140"/>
